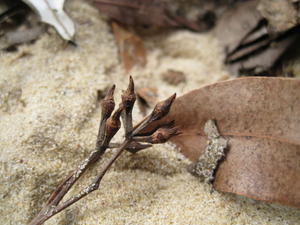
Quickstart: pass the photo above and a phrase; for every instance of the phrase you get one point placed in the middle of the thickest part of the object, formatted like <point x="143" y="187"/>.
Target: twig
<point x="133" y="147"/>
<point x="128" y="100"/>
<point x="108" y="105"/>
<point x="160" y="110"/>
<point x="95" y="185"/>
<point x="109" y="126"/>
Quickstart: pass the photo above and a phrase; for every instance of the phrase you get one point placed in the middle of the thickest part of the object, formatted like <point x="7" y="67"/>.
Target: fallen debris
<point x="208" y="162"/>
<point x="259" y="116"/>
<point x="109" y="125"/>
<point x="131" y="47"/>
<point x="52" y="12"/>
<point x="173" y="77"/>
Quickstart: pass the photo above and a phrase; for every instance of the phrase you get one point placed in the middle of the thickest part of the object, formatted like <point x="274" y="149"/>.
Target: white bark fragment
<point x="51" y="12"/>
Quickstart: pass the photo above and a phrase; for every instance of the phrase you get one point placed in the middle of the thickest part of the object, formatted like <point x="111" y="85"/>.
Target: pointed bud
<point x="128" y="96"/>
<point x="163" y="134"/>
<point x="108" y="103"/>
<point x="113" y="124"/>
<point x="162" y="108"/>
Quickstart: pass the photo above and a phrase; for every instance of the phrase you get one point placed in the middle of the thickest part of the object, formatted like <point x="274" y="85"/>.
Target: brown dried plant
<point x="109" y="126"/>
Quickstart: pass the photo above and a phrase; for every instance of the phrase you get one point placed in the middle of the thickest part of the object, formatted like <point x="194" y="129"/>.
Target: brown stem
<point x="94" y="156"/>
<point x="108" y="105"/>
<point x="128" y="100"/>
<point x="133" y="147"/>
<point x="67" y="184"/>
<point x="127" y="120"/>
<point x="109" y="126"/>
<point x="107" y="108"/>
<point x="95" y="185"/>
<point x="51" y="211"/>
<point x="160" y="110"/>
<point x="147" y="139"/>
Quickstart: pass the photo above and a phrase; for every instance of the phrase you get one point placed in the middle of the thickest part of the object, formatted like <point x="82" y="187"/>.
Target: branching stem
<point x="109" y="126"/>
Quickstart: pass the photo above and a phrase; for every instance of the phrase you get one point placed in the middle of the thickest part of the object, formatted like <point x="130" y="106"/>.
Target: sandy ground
<point x="49" y="120"/>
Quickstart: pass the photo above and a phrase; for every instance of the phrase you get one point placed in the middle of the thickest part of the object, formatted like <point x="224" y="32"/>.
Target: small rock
<point x="173" y="77"/>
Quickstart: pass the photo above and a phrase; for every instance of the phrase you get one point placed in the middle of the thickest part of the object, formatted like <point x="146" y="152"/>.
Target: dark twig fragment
<point x="128" y="100"/>
<point x="95" y="184"/>
<point x="107" y="105"/>
<point x="112" y="126"/>
<point x="160" y="110"/>
<point x="133" y="147"/>
<point x="161" y="135"/>
<point x="109" y="126"/>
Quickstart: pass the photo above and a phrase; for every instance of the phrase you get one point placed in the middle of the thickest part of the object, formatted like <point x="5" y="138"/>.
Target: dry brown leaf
<point x="135" y="12"/>
<point x="260" y="118"/>
<point x="131" y="47"/>
<point x="152" y="13"/>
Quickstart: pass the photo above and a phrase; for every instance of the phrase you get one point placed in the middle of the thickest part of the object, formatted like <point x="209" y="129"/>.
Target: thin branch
<point x="128" y="100"/>
<point x="107" y="105"/>
<point x="109" y="126"/>
<point x="160" y="110"/>
<point x="92" y="187"/>
<point x="133" y="147"/>
<point x="161" y="135"/>
<point x="54" y="199"/>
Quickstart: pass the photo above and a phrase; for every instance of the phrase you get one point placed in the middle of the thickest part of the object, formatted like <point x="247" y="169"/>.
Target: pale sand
<point x="49" y="122"/>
